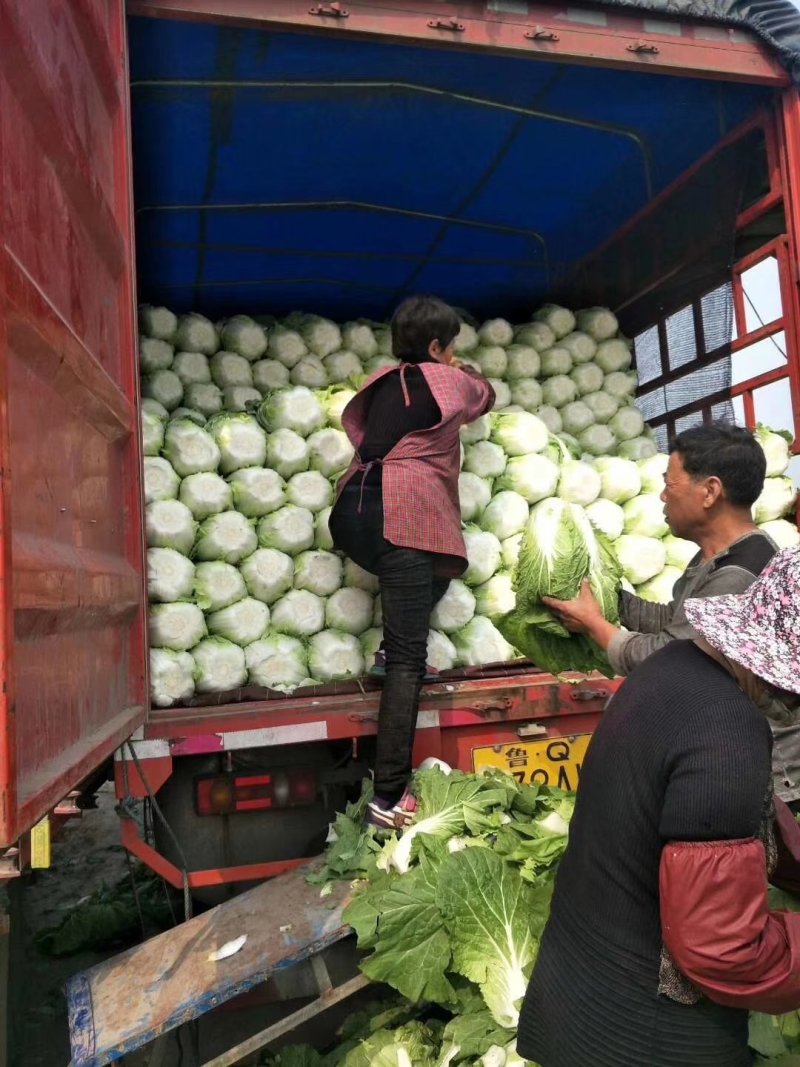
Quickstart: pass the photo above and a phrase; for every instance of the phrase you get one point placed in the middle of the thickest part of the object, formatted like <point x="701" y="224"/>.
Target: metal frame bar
<point x="763" y="120"/>
<point x="784" y="248"/>
<point x="747" y="389"/>
<point x="774" y="196"/>
<point x="541" y="31"/>
<point x="468" y="713"/>
<point x="426" y="90"/>
<point x="343" y="253"/>
<point x="752" y="338"/>
<point x="136" y="533"/>
<point x="329" y="995"/>
<point x="789" y="116"/>
<point x="348" y="711"/>
<point x="356" y="205"/>
<point x="212" y="876"/>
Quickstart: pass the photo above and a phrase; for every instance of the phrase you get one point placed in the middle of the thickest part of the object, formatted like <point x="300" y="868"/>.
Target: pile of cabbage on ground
<point x="472" y="879"/>
<point x="241" y="424"/>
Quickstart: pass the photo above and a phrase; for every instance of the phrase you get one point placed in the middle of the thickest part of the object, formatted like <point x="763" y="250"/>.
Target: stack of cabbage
<point x="570" y="369"/>
<point x="244" y="585"/>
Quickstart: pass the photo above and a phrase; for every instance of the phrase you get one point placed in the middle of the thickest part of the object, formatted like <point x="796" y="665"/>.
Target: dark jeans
<point x="409" y="592"/>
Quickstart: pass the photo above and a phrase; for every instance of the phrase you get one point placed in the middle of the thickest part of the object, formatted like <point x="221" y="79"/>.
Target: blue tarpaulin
<point x="277" y="171"/>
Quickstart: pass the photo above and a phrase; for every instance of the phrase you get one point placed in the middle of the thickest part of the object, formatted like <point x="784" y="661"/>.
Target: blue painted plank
<point x="130" y="1000"/>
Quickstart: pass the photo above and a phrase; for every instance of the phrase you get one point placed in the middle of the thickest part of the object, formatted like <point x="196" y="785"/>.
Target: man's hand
<point x="576" y="615"/>
<point x="583" y="616"/>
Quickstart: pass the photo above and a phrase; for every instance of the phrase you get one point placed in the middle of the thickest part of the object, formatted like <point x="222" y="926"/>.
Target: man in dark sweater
<point x="660" y="938"/>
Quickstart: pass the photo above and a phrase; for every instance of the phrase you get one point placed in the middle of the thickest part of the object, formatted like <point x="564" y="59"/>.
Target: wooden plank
<point x="126" y="1002"/>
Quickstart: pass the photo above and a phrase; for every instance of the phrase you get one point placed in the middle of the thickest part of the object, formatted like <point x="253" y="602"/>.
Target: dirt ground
<point x="86" y="855"/>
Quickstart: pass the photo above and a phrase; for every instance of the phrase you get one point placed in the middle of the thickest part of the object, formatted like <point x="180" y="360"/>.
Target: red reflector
<point x="227" y="794"/>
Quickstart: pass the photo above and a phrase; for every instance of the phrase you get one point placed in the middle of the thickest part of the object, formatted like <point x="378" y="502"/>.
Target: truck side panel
<point x="71" y="570"/>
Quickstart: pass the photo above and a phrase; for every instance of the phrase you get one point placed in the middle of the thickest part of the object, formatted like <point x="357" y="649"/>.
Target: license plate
<point x="554" y="761"/>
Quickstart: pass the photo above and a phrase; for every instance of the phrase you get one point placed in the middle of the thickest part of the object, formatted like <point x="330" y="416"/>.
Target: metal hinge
<point x="583" y="696"/>
<point x="333" y="10"/>
<point x="485" y="707"/>
<point x="446" y="24"/>
<point x="539" y="33"/>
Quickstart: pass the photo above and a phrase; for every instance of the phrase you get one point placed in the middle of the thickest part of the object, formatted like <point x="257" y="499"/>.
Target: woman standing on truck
<point x="660" y="938"/>
<point x="398" y="516"/>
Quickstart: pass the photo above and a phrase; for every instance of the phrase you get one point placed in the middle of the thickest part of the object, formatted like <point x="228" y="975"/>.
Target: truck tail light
<point x="227" y="794"/>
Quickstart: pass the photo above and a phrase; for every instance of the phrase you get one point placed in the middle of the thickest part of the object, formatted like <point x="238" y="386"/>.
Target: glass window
<point x="765" y="355"/>
<point x="762" y="294"/>
<point x="773" y="405"/>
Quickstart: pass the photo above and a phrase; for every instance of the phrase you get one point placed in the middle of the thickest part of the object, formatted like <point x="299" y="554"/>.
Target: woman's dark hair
<point x="729" y="453"/>
<point x="418" y="321"/>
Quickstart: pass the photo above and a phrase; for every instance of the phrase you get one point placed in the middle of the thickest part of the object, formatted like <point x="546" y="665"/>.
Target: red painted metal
<point x="511" y="695"/>
<point x="769" y="248"/>
<point x="462" y="715"/>
<point x="72" y="634"/>
<point x="784" y="248"/>
<point x="213" y="876"/>
<point x="129" y="783"/>
<point x="761" y="120"/>
<point x="780" y="249"/>
<point x="761" y="334"/>
<point x="551" y="31"/>
<point x="790" y="277"/>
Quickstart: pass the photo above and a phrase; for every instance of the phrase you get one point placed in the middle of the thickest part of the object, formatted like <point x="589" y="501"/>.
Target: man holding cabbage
<point x="714" y="476"/>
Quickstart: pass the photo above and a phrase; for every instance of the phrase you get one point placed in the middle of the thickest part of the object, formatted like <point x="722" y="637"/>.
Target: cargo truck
<point x="251" y="155"/>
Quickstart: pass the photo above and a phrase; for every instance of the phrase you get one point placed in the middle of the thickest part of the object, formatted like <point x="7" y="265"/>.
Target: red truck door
<point x="72" y="604"/>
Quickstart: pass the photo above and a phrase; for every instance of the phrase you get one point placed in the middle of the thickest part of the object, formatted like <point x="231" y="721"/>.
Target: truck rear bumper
<point x="499" y="709"/>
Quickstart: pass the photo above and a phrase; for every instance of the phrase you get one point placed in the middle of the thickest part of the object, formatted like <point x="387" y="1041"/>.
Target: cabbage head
<point x="559" y="551"/>
<point x="776" y="450"/>
<point x="776" y="499"/>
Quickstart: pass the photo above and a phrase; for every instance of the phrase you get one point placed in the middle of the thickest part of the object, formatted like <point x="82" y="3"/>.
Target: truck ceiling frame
<point x="595" y="37"/>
